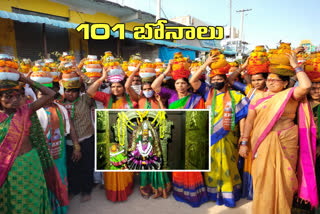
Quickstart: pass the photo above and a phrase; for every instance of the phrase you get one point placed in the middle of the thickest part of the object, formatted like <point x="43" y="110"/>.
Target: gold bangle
<point x="77" y="147"/>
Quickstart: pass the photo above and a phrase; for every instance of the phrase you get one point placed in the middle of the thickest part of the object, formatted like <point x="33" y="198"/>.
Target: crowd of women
<point x="263" y="128"/>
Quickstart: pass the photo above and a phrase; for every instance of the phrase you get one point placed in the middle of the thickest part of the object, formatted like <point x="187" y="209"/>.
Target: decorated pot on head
<point x="70" y="80"/>
<point x="195" y="65"/>
<point x="8" y="68"/>
<point x="279" y="62"/>
<point x="180" y="67"/>
<point x="159" y="66"/>
<point x="53" y="66"/>
<point x="67" y="67"/>
<point x="312" y="68"/>
<point x="220" y="66"/>
<point x="66" y="59"/>
<point x="115" y="72"/>
<point x="25" y="66"/>
<point x="258" y="61"/>
<point x="147" y="71"/>
<point x="41" y="74"/>
<point x="134" y="61"/>
<point x="92" y="67"/>
<point x="39" y="65"/>
<point x="108" y="57"/>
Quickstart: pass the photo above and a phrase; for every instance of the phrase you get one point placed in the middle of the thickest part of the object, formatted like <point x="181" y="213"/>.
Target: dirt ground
<point x="137" y="204"/>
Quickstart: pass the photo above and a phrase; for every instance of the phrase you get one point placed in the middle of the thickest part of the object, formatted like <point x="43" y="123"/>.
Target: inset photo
<point x="151" y="140"/>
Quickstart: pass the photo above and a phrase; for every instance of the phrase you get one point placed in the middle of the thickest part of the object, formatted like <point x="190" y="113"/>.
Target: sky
<point x="269" y="21"/>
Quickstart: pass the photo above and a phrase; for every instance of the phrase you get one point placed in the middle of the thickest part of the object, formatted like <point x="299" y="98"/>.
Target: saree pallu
<point x="275" y="155"/>
<point x="51" y="173"/>
<point x="318" y="180"/>
<point x="25" y="178"/>
<point x="118" y="185"/>
<point x="274" y="178"/>
<point x="56" y="116"/>
<point x="224" y="181"/>
<point x="154" y="183"/>
<point x="192" y="101"/>
<point x="25" y="190"/>
<point x="188" y="187"/>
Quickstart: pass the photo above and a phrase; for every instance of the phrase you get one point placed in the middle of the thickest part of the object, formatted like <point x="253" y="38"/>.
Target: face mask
<point x="217" y="85"/>
<point x="148" y="94"/>
<point x="136" y="88"/>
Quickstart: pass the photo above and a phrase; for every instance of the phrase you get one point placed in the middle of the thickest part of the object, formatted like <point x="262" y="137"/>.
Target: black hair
<point x="55" y="85"/>
<point x="223" y="76"/>
<point x="123" y="82"/>
<point x="146" y="83"/>
<point x="169" y="84"/>
<point x="264" y="75"/>
<point x="72" y="89"/>
<point x="284" y="78"/>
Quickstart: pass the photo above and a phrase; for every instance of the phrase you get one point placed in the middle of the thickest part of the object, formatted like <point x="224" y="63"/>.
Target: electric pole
<point x="230" y="35"/>
<point x="158" y="16"/>
<point x="241" y="22"/>
<point x="241" y="25"/>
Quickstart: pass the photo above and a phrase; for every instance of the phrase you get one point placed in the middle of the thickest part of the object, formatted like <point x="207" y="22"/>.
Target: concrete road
<point x="137" y="204"/>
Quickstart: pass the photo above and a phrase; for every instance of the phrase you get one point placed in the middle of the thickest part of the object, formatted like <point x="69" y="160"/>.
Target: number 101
<point x="100" y="31"/>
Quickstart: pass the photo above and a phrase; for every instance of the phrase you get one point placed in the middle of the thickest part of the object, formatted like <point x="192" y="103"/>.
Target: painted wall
<point x="77" y="44"/>
<point x="53" y="8"/>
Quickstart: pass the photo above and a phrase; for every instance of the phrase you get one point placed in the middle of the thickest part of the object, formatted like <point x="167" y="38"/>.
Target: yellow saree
<point x="275" y="153"/>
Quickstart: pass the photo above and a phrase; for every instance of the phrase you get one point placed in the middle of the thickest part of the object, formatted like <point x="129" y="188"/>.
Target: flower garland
<point x="124" y="120"/>
<point x="109" y="64"/>
<point x="93" y="62"/>
<point x="161" y="123"/>
<point x="67" y="58"/>
<point x="10" y="64"/>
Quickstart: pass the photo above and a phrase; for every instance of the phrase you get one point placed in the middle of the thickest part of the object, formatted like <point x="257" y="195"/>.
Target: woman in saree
<point x="23" y="186"/>
<point x="56" y="125"/>
<point x="118" y="185"/>
<point x="181" y="98"/>
<point x="156" y="184"/>
<point x="228" y="108"/>
<point x="274" y="143"/>
<point x="148" y="99"/>
<point x="257" y="84"/>
<point x="188" y="187"/>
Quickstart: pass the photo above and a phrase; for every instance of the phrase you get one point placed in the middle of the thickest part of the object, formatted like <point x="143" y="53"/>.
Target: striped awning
<point x="36" y="19"/>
